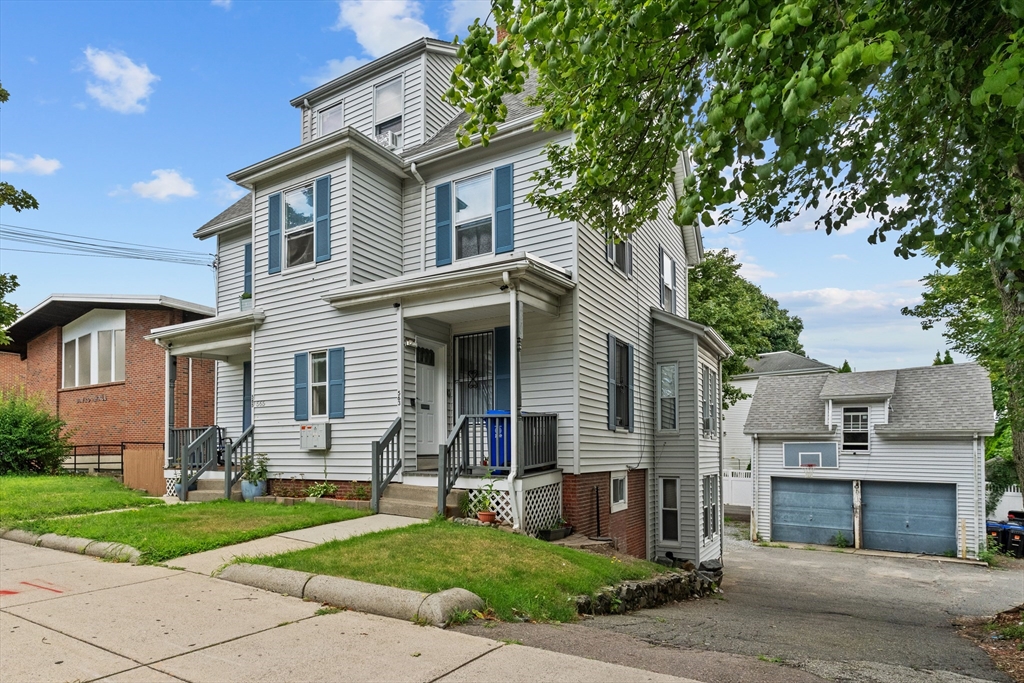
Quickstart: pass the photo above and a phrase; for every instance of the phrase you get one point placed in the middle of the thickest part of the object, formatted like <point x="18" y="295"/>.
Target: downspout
<point x="753" y="487"/>
<point x="190" y="392"/>
<point x="720" y="522"/>
<point x="513" y="336"/>
<point x="423" y="215"/>
<point x="979" y="488"/>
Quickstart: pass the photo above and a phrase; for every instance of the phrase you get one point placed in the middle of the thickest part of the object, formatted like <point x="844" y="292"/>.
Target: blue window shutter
<point x="247" y="278"/>
<point x="502" y="369"/>
<point x="443" y="224"/>
<point x="611" y="381"/>
<point x="322" y="238"/>
<point x="336" y="382"/>
<point x="629" y="383"/>
<point x="302" y="386"/>
<point x="504" y="237"/>
<point x="274" y="233"/>
<point x="661" y="275"/>
<point x="246" y="394"/>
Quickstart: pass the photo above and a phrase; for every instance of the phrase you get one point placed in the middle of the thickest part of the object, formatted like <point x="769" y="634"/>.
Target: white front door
<point x="429" y="397"/>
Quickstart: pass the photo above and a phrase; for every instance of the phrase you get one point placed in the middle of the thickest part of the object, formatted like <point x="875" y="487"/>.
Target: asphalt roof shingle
<point x="787" y="404"/>
<point x="779" y="362"/>
<point x="853" y="384"/>
<point x="240" y="209"/>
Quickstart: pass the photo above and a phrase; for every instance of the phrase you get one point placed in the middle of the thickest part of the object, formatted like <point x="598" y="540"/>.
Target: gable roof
<point x="783" y="363"/>
<point x="237" y="214"/>
<point x="926" y="402"/>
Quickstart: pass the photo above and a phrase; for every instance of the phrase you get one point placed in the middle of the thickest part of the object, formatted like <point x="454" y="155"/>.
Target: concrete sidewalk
<point x="66" y="617"/>
<point x="212" y="560"/>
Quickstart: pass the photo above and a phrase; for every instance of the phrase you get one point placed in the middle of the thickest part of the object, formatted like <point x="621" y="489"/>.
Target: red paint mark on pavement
<point x="45" y="588"/>
<point x="8" y="593"/>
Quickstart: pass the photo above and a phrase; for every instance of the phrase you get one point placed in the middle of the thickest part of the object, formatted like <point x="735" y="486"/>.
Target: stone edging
<point x="72" y="544"/>
<point x="386" y="601"/>
<point x="654" y="592"/>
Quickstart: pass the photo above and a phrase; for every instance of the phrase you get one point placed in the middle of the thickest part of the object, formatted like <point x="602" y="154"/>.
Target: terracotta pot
<point x="487" y="516"/>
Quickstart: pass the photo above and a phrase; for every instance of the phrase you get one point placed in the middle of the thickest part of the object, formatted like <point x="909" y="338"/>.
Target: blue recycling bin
<point x="996" y="531"/>
<point x="498" y="427"/>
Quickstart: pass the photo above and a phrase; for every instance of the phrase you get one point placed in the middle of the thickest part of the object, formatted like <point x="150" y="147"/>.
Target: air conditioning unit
<point x="387" y="139"/>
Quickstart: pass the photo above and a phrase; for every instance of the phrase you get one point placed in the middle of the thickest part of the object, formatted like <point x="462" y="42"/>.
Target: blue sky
<point x="125" y="117"/>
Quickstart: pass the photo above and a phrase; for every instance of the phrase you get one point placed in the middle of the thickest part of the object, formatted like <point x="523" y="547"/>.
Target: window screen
<point x="669" y="510"/>
<point x="667" y="390"/>
<point x="69" y="364"/>
<point x="332" y="119"/>
<point x="318" y="383"/>
<point x="84" y="360"/>
<point x="473" y="210"/>
<point x="855" y="429"/>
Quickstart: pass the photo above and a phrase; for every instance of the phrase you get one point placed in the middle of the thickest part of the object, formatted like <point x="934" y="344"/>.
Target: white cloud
<point x="383" y="25"/>
<point x="332" y="69"/>
<point x="227" y="193"/>
<point x="461" y="13"/>
<point x="844" y="301"/>
<point x="121" y="85"/>
<point x="841" y="257"/>
<point x="226" y="4"/>
<point x="749" y="267"/>
<point x="37" y="165"/>
<point x="167" y="184"/>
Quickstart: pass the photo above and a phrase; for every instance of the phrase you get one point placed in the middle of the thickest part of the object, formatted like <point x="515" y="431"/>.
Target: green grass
<point x="516" y="576"/>
<point x="161" y="533"/>
<point x="38" y="497"/>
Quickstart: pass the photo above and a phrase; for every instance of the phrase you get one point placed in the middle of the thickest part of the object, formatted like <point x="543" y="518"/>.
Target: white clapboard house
<point x="883" y="460"/>
<point x="381" y="291"/>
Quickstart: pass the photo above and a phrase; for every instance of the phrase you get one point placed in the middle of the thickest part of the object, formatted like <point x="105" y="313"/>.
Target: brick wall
<point x="12" y="371"/>
<point x="628" y="528"/>
<point x="43" y="368"/>
<point x="296" y="488"/>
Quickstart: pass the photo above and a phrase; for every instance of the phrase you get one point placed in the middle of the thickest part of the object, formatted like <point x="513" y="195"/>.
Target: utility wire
<point x="81" y="245"/>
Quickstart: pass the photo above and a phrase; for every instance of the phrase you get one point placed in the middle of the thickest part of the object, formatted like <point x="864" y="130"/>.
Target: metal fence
<point x="101" y="457"/>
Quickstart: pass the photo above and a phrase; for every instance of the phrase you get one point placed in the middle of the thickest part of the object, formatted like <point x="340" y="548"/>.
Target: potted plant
<point x="485" y="503"/>
<point x="556" y="531"/>
<point x="254" y="476"/>
<point x="245" y="301"/>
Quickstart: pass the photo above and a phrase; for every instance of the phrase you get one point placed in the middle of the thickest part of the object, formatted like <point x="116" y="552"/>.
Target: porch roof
<point x="475" y="284"/>
<point x="702" y="332"/>
<point x="220" y="337"/>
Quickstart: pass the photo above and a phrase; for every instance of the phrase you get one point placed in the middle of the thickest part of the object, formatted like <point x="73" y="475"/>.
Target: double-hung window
<point x="474" y="206"/>
<point x="670" y="510"/>
<point x="620" y="255"/>
<point x="620" y="491"/>
<point x="318" y="384"/>
<point x="331" y="119"/>
<point x="620" y="384"/>
<point x="298" y="225"/>
<point x="709" y="401"/>
<point x="668" y="282"/>
<point x="668" y="391"/>
<point x="709" y="508"/>
<point x="387" y="111"/>
<point x="855" y="429"/>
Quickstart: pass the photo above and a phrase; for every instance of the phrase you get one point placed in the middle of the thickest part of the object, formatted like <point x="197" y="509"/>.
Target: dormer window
<point x="387" y="113"/>
<point x="855" y="429"/>
<point x="331" y="119"/>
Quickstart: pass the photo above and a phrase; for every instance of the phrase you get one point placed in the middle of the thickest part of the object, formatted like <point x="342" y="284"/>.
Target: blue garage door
<point x="909" y="518"/>
<point x="811" y="510"/>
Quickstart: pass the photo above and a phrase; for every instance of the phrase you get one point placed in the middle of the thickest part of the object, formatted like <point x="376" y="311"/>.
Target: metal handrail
<point x="385" y="462"/>
<point x="246" y="444"/>
<point x="452" y="459"/>
<point x="199" y="456"/>
<point x="538" y="441"/>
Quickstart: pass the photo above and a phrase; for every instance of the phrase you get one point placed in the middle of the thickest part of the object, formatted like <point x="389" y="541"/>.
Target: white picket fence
<point x="737" y="488"/>
<point x="1011" y="500"/>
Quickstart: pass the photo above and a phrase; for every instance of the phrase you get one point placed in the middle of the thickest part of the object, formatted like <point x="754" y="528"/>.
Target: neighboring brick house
<point x="86" y="357"/>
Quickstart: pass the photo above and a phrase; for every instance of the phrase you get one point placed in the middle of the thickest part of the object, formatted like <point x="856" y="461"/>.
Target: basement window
<point x="620" y="491"/>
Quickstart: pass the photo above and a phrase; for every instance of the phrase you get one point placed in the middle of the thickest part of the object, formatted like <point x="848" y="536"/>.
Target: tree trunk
<point x="1013" y="327"/>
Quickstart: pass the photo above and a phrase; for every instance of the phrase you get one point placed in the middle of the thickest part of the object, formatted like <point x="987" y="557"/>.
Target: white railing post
<point x="513" y="432"/>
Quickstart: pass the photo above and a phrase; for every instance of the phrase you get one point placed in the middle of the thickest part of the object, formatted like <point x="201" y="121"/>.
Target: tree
<point x="905" y="112"/>
<point x="749" y="321"/>
<point x="17" y="200"/>
<point x="947" y="359"/>
<point x="938" y="359"/>
<point x="846" y="367"/>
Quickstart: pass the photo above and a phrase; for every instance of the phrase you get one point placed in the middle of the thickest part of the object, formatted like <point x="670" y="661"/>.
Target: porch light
<point x="410" y="342"/>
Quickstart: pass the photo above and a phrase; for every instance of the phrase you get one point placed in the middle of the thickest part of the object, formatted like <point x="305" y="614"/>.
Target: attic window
<point x="855" y="429"/>
<point x="331" y="119"/>
<point x="387" y="113"/>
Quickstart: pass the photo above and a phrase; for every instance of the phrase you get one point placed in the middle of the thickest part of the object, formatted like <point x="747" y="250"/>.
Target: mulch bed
<point x="1006" y="652"/>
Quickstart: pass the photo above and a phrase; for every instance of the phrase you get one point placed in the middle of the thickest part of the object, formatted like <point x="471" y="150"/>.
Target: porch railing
<point x="180" y="438"/>
<point x="385" y="462"/>
<point x="453" y="459"/>
<point x="234" y="456"/>
<point x="198" y="456"/>
<point x="538" y="441"/>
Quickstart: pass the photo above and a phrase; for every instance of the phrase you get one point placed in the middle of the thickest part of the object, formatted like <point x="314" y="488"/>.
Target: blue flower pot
<point x="250" y="490"/>
<point x="177" y="489"/>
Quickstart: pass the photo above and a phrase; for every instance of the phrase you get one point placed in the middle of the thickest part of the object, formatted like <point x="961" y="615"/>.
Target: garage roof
<point x="783" y="363"/>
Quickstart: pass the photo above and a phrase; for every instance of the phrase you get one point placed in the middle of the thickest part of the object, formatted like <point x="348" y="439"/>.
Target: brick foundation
<point x="296" y="488"/>
<point x="628" y="528"/>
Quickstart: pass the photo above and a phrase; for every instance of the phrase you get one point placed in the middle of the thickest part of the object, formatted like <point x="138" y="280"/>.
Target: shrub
<point x="32" y="440"/>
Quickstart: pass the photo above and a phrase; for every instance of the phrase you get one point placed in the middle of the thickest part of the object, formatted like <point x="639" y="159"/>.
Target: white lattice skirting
<point x="543" y="507"/>
<point x="501" y="503"/>
<point x="171" y="483"/>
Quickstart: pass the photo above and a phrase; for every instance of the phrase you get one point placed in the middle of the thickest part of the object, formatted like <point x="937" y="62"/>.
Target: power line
<point x="81" y="245"/>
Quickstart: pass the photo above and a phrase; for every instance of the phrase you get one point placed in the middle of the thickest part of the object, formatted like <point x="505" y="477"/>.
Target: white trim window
<point x="330" y="119"/>
<point x="668" y="282"/>
<point x="856" y="434"/>
<point x="387" y="112"/>
<point x="474" y="216"/>
<point x="709" y="506"/>
<point x="298" y="226"/>
<point x="668" y="393"/>
<point x="709" y="402"/>
<point x="620" y="255"/>
<point x="669" y="500"/>
<point x="94" y="358"/>
<point x="620" y="491"/>
<point x="318" y="384"/>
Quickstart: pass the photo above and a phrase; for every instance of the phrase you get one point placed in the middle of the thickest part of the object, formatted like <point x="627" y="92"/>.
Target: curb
<point x="385" y="601"/>
<point x="79" y="546"/>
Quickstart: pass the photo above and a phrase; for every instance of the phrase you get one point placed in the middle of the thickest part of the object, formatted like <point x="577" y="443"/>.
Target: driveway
<point x="792" y="615"/>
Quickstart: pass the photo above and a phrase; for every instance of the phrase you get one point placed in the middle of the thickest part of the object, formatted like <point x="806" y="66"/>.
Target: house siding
<point x="736" y="445"/>
<point x="376" y="223"/>
<point x="231" y="268"/>
<point x="709" y="461"/>
<point x="437" y="80"/>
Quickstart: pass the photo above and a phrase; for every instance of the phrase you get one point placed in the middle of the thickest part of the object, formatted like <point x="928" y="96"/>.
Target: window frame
<point x="710" y="402"/>
<point x="117" y="370"/>
<point x="455" y="223"/>
<point x="866" y="431"/>
<point x="622" y="348"/>
<point x="668" y="280"/>
<point x="609" y="255"/>
<point x="320" y="117"/>
<point x="662" y="509"/>
<point x="619" y="506"/>
<point x="710" y="507"/>
<point x="286" y="232"/>
<point x="400" y="78"/>
<point x="325" y="384"/>
<point x="675" y="396"/>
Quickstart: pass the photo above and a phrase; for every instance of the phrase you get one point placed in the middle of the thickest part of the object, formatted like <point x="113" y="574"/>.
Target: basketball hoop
<point x="809" y="469"/>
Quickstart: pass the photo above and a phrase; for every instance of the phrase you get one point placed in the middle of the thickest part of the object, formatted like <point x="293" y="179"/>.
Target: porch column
<point x="513" y="336"/>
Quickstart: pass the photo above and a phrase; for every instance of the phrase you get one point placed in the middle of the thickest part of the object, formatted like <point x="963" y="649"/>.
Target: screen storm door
<point x="429" y="398"/>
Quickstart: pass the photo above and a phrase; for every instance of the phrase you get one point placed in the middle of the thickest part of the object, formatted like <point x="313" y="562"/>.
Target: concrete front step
<point x="206" y="493"/>
<point x="417" y="494"/>
<point x="211" y="484"/>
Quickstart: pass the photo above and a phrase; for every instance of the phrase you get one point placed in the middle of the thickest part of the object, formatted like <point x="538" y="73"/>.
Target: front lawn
<point x="516" y="576"/>
<point x="39" y="497"/>
<point x="162" y="533"/>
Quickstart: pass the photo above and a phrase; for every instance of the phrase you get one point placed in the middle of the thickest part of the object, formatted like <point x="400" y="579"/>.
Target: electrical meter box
<point x="315" y="437"/>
